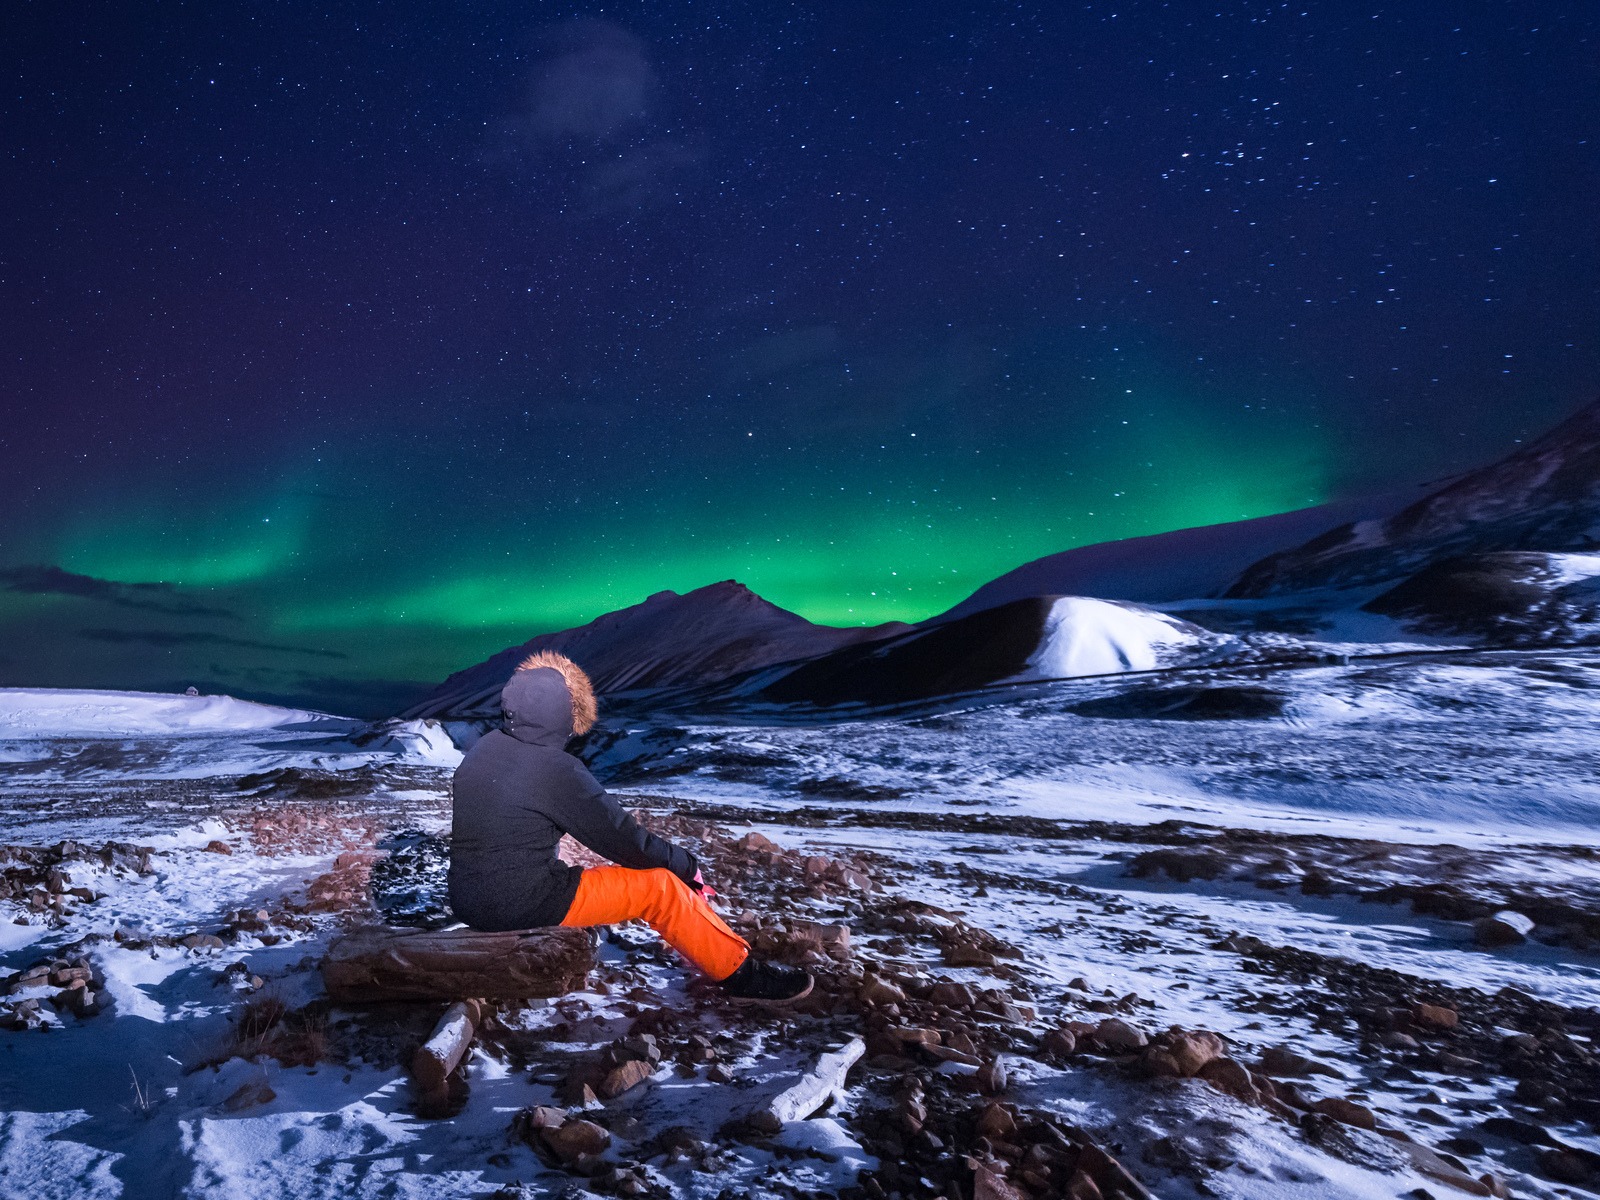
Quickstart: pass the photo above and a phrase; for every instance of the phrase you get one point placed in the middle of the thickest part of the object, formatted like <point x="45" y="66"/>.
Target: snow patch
<point x="70" y="712"/>
<point x="1102" y="637"/>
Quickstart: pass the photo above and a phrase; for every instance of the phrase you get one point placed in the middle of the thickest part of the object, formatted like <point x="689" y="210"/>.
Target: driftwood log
<point x="443" y="1051"/>
<point x="376" y="963"/>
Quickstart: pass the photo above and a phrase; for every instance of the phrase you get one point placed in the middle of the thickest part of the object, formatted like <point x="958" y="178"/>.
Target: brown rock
<point x="1083" y="1187"/>
<point x="950" y="1054"/>
<point x="755" y="842"/>
<point x="249" y="1095"/>
<point x="853" y="878"/>
<point x="1508" y="928"/>
<point x="1425" y="1162"/>
<point x="218" y="847"/>
<point x="992" y="1078"/>
<point x="988" y="1184"/>
<point x="1283" y="1063"/>
<point x="1060" y="1043"/>
<point x="1435" y="1016"/>
<point x="1180" y="1053"/>
<point x="878" y="991"/>
<point x="1230" y="1077"/>
<point x="530" y="1123"/>
<point x="949" y="994"/>
<point x="969" y="956"/>
<point x="572" y="1140"/>
<point x="629" y="1075"/>
<point x="1346" y="1112"/>
<point x="1117" y="1036"/>
<point x="995" y="1122"/>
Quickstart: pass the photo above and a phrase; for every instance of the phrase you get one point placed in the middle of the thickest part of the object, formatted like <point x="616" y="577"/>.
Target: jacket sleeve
<point x="592" y="816"/>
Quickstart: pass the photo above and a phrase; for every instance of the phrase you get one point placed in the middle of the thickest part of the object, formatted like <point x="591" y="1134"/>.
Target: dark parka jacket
<point x="516" y="792"/>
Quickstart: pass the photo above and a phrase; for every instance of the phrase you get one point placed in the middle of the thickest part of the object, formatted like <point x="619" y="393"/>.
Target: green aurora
<point x="353" y="553"/>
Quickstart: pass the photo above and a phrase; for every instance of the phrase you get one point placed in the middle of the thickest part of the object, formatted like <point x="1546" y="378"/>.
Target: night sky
<point x="346" y="345"/>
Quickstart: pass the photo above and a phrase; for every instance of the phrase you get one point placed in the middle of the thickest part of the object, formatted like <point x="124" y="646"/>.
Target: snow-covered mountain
<point x="668" y="640"/>
<point x="1040" y="637"/>
<point x="1545" y="496"/>
<point x="1181" y="564"/>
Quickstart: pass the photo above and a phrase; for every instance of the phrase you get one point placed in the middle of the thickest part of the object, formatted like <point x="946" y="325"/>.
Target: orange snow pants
<point x="681" y="915"/>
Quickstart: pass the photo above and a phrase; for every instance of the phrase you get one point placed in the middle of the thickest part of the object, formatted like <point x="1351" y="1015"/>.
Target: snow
<point x="1083" y="636"/>
<point x="1469" y="749"/>
<point x="1573" y="568"/>
<point x="70" y="712"/>
<point x="70" y="733"/>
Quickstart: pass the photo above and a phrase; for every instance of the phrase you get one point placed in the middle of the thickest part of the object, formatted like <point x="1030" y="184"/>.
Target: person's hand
<point x="706" y="889"/>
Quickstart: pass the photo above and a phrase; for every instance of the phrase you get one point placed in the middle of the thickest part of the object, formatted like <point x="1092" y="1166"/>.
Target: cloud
<point x="38" y="580"/>
<point x="589" y="135"/>
<point x="596" y="85"/>
<point x="162" y="637"/>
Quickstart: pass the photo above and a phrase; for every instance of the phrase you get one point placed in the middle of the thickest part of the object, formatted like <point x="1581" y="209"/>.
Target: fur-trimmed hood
<point x="547" y="700"/>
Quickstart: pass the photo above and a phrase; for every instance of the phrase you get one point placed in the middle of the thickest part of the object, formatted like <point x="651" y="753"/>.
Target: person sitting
<point x="517" y="791"/>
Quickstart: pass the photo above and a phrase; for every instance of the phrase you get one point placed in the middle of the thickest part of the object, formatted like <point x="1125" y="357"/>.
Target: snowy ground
<point x="1146" y="845"/>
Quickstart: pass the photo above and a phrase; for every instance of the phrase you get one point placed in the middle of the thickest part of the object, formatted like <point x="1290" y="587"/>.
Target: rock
<point x="1435" y="1016"/>
<point x="1117" y="1036"/>
<point x="988" y="1184"/>
<point x="996" y="1122"/>
<point x="1566" y="1166"/>
<point x="66" y="977"/>
<point x="1232" y="1078"/>
<point x="1347" y="1112"/>
<point x="850" y="877"/>
<point x="249" y="1095"/>
<point x="1179" y="1053"/>
<point x="641" y="1046"/>
<point x="218" y="847"/>
<point x="949" y="994"/>
<point x="1505" y="928"/>
<point x="576" y="1139"/>
<point x="992" y="1078"/>
<point x="754" y="842"/>
<point x="530" y="1123"/>
<point x="1396" y="1040"/>
<point x="1425" y="1162"/>
<point x="1283" y="1063"/>
<point x="969" y="956"/>
<point x="944" y="1054"/>
<point x="877" y="991"/>
<point x="620" y="1079"/>
<point x="1059" y="1043"/>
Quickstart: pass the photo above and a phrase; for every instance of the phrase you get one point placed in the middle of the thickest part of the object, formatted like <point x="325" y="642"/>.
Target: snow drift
<point x="70" y="712"/>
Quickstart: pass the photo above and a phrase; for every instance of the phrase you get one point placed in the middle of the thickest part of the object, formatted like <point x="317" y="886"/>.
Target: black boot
<point x="767" y="983"/>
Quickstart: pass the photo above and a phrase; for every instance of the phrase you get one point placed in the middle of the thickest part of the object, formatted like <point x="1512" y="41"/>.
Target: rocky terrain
<point x="1271" y="929"/>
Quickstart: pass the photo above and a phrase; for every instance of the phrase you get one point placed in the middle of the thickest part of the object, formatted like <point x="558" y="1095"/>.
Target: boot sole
<point x="775" y="1003"/>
